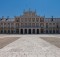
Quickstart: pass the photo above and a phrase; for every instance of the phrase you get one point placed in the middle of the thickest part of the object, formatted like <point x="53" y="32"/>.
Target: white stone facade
<point x="29" y="23"/>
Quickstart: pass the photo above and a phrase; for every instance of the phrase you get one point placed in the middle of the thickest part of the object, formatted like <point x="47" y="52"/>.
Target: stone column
<point x="23" y="31"/>
<point x="10" y="27"/>
<point x="27" y="31"/>
<point x="3" y="27"/>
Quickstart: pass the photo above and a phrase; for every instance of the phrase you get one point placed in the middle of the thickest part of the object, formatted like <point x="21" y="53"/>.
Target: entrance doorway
<point x="37" y="31"/>
<point x="29" y="31"/>
<point x="21" y="31"/>
<point x="33" y="31"/>
<point x="25" y="31"/>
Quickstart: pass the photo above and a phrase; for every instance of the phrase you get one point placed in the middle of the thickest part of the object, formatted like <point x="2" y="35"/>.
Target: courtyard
<point x="38" y="45"/>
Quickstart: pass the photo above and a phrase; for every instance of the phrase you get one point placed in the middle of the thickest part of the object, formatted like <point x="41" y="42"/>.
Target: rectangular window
<point x="22" y="20"/>
<point x="33" y="24"/>
<point x="33" y="19"/>
<point x="41" y="19"/>
<point x="25" y="19"/>
<point x="29" y="19"/>
<point x="37" y="19"/>
<point x="37" y="24"/>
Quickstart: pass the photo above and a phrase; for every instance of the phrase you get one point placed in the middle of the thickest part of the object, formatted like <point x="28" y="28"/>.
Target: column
<point x="3" y="27"/>
<point x="23" y="31"/>
<point x="10" y="27"/>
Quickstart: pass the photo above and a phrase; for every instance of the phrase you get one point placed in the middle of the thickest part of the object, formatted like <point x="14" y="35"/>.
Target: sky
<point x="45" y="8"/>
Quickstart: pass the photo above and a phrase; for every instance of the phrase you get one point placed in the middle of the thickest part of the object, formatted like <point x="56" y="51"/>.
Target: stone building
<point x="29" y="23"/>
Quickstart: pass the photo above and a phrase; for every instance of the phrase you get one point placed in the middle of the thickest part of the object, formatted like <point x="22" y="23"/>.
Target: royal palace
<point x="29" y="23"/>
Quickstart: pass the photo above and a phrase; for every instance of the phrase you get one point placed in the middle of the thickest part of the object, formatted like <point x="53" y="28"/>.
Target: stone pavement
<point x="30" y="46"/>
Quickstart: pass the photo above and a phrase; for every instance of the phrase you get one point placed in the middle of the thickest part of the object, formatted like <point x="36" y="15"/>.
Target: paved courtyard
<point x="42" y="45"/>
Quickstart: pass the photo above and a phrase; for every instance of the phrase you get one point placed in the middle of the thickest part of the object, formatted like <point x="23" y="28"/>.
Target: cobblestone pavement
<point x="30" y="46"/>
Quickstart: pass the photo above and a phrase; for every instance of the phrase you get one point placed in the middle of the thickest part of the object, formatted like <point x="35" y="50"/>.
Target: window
<point x="33" y="19"/>
<point x="50" y="23"/>
<point x="37" y="19"/>
<point x="26" y="24"/>
<point x="17" y="25"/>
<point x="41" y="25"/>
<point x="22" y="24"/>
<point x="33" y="24"/>
<point x="41" y="19"/>
<point x="4" y="23"/>
<point x="29" y="24"/>
<point x="29" y="19"/>
<point x="37" y="24"/>
<point x="25" y="19"/>
<point x="22" y="19"/>
<point x="46" y="25"/>
<point x="53" y="23"/>
<point x="8" y="23"/>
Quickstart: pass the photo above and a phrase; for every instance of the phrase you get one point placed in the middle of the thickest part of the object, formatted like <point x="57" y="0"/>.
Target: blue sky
<point x="43" y="7"/>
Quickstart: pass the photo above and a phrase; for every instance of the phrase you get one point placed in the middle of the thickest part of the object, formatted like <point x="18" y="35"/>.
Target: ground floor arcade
<point x="28" y="31"/>
<point x="22" y="31"/>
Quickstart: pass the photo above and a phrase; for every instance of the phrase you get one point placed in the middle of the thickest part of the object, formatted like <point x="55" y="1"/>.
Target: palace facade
<point x="29" y="23"/>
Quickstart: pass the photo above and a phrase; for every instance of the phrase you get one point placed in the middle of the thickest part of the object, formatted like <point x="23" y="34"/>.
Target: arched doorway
<point x="21" y="31"/>
<point x="33" y="31"/>
<point x="25" y="31"/>
<point x="29" y="31"/>
<point x="37" y="31"/>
